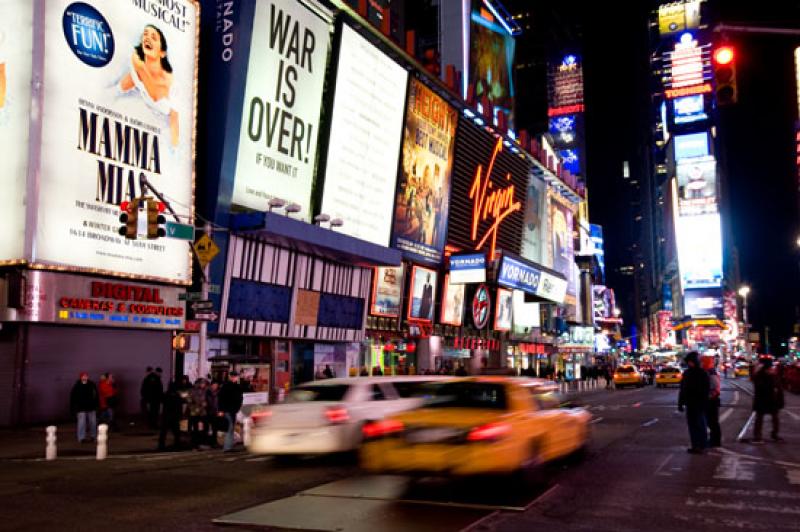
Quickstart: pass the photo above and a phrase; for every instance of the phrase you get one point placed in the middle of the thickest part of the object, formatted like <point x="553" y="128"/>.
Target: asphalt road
<point x="636" y="476"/>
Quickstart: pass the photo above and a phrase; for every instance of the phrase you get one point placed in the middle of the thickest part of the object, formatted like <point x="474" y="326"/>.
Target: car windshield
<point x="407" y="389"/>
<point x="318" y="392"/>
<point x="466" y="395"/>
<point x="625" y="369"/>
<point x="669" y="370"/>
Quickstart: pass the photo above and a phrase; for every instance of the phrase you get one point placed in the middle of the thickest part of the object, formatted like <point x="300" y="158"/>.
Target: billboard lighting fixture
<point x="337" y="222"/>
<point x="687" y="37"/>
<point x="498" y="17"/>
<point x="292" y="208"/>
<point x="321" y="218"/>
<point x="468" y="113"/>
<point x="276" y="203"/>
<point x="479" y="120"/>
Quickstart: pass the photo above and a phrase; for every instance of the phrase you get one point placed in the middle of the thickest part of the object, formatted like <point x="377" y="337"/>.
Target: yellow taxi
<point x="476" y="425"/>
<point x="628" y="375"/>
<point x="667" y="376"/>
<point x="742" y="369"/>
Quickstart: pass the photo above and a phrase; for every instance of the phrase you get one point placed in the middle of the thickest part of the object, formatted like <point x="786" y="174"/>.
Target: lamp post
<point x="744" y="291"/>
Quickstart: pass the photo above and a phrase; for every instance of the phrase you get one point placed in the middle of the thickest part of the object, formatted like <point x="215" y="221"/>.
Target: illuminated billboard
<point x="491" y="58"/>
<point x="423" y="194"/>
<point x="697" y="185"/>
<point x="423" y="294"/>
<point x="534" y="230"/>
<point x="688" y="64"/>
<point x="565" y="83"/>
<point x="16" y="53"/>
<point x="678" y="16"/>
<point x="453" y="303"/>
<point x="502" y="311"/>
<point x="699" y="242"/>
<point x="364" y="143"/>
<point x="465" y="269"/>
<point x="691" y="145"/>
<point x="281" y="107"/>
<point x="689" y="109"/>
<point x="118" y="110"/>
<point x="387" y="291"/>
<point x="562" y="244"/>
<point x="703" y="302"/>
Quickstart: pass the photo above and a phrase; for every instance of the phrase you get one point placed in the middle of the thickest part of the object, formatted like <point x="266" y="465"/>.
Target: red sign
<point x="481" y="305"/>
<point x="565" y="110"/>
<point x="489" y="203"/>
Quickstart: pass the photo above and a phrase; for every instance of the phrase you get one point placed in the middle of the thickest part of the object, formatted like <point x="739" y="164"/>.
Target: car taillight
<point x="261" y="416"/>
<point x="377" y="429"/>
<point x="337" y="415"/>
<point x="489" y="432"/>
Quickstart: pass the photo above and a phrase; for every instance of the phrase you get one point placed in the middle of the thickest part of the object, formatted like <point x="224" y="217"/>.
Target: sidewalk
<point x="134" y="437"/>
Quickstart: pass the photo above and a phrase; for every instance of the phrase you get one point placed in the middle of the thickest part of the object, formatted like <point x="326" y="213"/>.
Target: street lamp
<point x="744" y="291"/>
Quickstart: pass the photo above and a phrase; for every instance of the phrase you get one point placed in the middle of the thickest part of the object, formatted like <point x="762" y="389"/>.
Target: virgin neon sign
<point x="490" y="204"/>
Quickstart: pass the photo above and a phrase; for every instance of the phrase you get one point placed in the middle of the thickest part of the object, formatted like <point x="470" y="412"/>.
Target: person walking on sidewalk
<point x="693" y="396"/>
<point x="109" y="398"/>
<point x="198" y="413"/>
<point x="231" y="397"/>
<point x="767" y="399"/>
<point x="215" y="422"/>
<point x="712" y="408"/>
<point x="152" y="392"/>
<point x="171" y="415"/>
<point x="83" y="403"/>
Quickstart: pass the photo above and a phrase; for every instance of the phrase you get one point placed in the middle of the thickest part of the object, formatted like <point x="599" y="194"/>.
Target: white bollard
<point x="50" y="450"/>
<point x="247" y="426"/>
<point x="102" y="442"/>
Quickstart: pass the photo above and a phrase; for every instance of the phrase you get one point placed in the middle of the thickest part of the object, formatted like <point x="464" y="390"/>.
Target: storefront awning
<point x="314" y="240"/>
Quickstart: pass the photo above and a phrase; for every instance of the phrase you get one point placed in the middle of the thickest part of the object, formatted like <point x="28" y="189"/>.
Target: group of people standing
<point x="699" y="397"/>
<point x="87" y="398"/>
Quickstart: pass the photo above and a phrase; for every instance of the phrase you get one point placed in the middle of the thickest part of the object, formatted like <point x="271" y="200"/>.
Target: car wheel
<point x="530" y="472"/>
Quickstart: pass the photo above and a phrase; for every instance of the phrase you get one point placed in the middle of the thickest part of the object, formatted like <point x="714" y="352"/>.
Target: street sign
<point x="213" y="289"/>
<point x="190" y="296"/>
<point x="180" y="231"/>
<point x="206" y="316"/>
<point x="206" y="250"/>
<point x="200" y="306"/>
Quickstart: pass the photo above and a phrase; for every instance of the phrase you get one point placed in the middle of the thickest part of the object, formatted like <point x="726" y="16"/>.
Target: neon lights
<point x="572" y="109"/>
<point x="687" y="63"/>
<point x="688" y="91"/>
<point x="489" y="204"/>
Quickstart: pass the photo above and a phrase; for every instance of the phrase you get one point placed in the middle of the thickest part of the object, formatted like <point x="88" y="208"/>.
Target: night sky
<point x="758" y="133"/>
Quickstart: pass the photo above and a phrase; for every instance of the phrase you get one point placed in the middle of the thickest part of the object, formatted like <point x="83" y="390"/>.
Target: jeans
<point x="83" y="418"/>
<point x="231" y="419"/>
<point x="173" y="426"/>
<point x="759" y="425"/>
<point x="698" y="431"/>
<point x="712" y="419"/>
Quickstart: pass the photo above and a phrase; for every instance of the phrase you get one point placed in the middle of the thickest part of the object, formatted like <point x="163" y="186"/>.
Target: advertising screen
<point x="452" y="303"/>
<point x="387" y="291"/>
<point x="689" y="109"/>
<point x="565" y="83"/>
<point x="703" y="302"/>
<point x="564" y="129"/>
<point x="699" y="240"/>
<point x="502" y="311"/>
<point x="697" y="185"/>
<point x="118" y="110"/>
<point x="364" y="146"/>
<point x="691" y="145"/>
<point x="423" y="294"/>
<point x="526" y="315"/>
<point x="281" y="108"/>
<point x="491" y="59"/>
<point x="423" y="195"/>
<point x="16" y="52"/>
<point x="466" y="269"/>
<point x="570" y="160"/>
<point x="598" y="245"/>
<point x="678" y="16"/>
<point x="562" y="244"/>
<point x="534" y="229"/>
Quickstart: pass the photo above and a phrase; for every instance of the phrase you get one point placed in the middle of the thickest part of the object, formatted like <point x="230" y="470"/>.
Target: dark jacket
<point x="173" y="405"/>
<point x="230" y="397"/>
<point x="84" y="397"/>
<point x="695" y="388"/>
<point x="767" y="393"/>
<point x="152" y="388"/>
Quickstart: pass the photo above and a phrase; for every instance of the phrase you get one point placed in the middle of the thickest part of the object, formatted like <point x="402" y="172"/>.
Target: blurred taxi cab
<point x="326" y="416"/>
<point x="667" y="376"/>
<point x="742" y="369"/>
<point x="628" y="375"/>
<point x="477" y="425"/>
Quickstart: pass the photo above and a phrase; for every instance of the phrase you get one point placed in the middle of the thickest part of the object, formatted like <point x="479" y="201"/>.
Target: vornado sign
<point x="64" y="298"/>
<point x="518" y="275"/>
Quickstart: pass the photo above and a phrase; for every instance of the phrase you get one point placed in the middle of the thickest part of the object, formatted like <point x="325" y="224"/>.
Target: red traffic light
<point x="723" y="55"/>
<point x="161" y="206"/>
<point x="125" y="206"/>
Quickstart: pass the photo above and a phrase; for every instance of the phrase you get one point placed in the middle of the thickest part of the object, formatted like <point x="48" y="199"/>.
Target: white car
<point x="327" y="416"/>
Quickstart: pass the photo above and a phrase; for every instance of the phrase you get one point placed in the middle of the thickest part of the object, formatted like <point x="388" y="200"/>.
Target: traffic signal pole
<point x="202" y="348"/>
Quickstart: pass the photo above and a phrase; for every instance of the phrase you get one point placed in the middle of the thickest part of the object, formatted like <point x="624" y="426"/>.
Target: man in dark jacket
<point x="767" y="399"/>
<point x="152" y="392"/>
<point x="84" y="401"/>
<point x="171" y="417"/>
<point x="230" y="402"/>
<point x="694" y="396"/>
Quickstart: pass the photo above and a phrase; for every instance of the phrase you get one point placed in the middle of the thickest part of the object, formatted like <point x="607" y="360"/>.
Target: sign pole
<point x="202" y="347"/>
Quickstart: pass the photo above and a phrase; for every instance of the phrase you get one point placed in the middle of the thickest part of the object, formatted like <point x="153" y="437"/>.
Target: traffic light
<point x="129" y="219"/>
<point x="180" y="342"/>
<point x="155" y="220"/>
<point x="725" y="75"/>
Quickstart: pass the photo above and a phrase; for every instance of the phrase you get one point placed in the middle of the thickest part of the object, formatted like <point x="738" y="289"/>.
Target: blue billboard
<point x="689" y="109"/>
<point x="691" y="145"/>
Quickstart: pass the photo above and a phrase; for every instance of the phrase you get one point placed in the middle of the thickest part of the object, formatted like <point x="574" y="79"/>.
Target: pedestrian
<point x="461" y="371"/>
<point x="363" y="372"/>
<point x="230" y="402"/>
<point x="767" y="399"/>
<point x="83" y="401"/>
<point x="171" y="415"/>
<point x="328" y="372"/>
<point x="152" y="391"/>
<point x="607" y="376"/>
<point x="109" y="398"/>
<point x="214" y="421"/>
<point x="198" y="413"/>
<point x="693" y="397"/>
<point x="712" y="408"/>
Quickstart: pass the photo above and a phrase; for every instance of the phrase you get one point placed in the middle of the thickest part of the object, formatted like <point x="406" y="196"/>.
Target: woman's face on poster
<point x="151" y="43"/>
